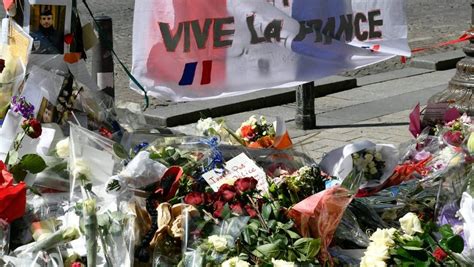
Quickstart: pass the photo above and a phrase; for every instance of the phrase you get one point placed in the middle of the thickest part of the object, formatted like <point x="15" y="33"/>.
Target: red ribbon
<point x="465" y="37"/>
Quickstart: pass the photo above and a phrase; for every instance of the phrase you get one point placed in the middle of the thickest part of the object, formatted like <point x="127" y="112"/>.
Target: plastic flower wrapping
<point x="83" y="183"/>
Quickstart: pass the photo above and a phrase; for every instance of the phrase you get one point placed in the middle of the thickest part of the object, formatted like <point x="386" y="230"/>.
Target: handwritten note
<point x="238" y="167"/>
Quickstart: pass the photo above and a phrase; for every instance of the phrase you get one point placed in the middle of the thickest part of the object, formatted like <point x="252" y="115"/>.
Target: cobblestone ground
<point x="317" y="143"/>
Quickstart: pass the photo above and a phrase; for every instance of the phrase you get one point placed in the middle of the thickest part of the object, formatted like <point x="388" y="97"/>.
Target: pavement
<point x="376" y="108"/>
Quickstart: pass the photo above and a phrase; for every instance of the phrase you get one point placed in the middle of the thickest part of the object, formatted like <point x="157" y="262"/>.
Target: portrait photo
<point x="47" y="27"/>
<point x="47" y="112"/>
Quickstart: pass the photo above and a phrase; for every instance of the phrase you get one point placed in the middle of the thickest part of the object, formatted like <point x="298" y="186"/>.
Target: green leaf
<point x="446" y="231"/>
<point x="292" y="234"/>
<point x="267" y="251"/>
<point x="18" y="173"/>
<point x="226" y="212"/>
<point x="308" y="246"/>
<point x="267" y="211"/>
<point x="120" y="151"/>
<point x="33" y="163"/>
<point x="455" y="244"/>
<point x="276" y="208"/>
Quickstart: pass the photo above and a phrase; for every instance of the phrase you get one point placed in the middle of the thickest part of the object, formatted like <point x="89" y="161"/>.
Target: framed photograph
<point x="47" y="28"/>
<point x="47" y="22"/>
<point x="47" y="112"/>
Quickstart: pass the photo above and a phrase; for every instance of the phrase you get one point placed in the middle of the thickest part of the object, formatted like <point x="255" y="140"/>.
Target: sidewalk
<point x="377" y="111"/>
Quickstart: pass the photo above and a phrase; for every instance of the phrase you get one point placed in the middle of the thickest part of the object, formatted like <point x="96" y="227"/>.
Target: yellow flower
<point x="410" y="224"/>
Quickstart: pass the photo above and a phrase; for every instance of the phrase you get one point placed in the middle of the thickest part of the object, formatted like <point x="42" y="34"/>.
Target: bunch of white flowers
<point x="282" y="263"/>
<point x="378" y="250"/>
<point x="383" y="239"/>
<point x="370" y="162"/>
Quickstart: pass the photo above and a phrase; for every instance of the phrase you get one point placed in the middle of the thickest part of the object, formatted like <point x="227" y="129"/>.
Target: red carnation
<point x="32" y="128"/>
<point x="247" y="132"/>
<point x="246" y="184"/>
<point x="237" y="208"/>
<point x="439" y="254"/>
<point x="251" y="211"/>
<point x="227" y="192"/>
<point x="194" y="198"/>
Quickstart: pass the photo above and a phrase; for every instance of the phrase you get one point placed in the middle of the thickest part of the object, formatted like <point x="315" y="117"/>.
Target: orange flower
<point x="247" y="132"/>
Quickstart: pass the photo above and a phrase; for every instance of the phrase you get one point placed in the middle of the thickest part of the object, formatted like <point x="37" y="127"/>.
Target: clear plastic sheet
<point x="197" y="250"/>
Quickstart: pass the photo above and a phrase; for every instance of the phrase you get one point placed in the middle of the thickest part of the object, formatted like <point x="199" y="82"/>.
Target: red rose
<point x="194" y="198"/>
<point x="105" y="132"/>
<point x="251" y="211"/>
<point x="453" y="138"/>
<point x="439" y="254"/>
<point x="12" y="197"/>
<point x="32" y="128"/>
<point x="237" y="208"/>
<point x="247" y="132"/>
<point x="218" y="207"/>
<point x="227" y="192"/>
<point x="209" y="198"/>
<point x="246" y="184"/>
<point x="68" y="38"/>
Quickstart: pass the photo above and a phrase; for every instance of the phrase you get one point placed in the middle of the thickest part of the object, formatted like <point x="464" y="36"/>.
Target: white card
<point x="242" y="166"/>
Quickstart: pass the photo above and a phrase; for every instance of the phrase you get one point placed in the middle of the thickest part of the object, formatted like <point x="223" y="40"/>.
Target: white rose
<point x="235" y="262"/>
<point x="378" y="156"/>
<point x="282" y="263"/>
<point x="383" y="237"/>
<point x="410" y="224"/>
<point x="369" y="157"/>
<point x="375" y="255"/>
<point x="62" y="148"/>
<point x="219" y="243"/>
<point x="81" y="168"/>
<point x="373" y="171"/>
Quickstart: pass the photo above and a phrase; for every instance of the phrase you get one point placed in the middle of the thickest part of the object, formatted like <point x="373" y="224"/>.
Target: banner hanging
<point x="197" y="49"/>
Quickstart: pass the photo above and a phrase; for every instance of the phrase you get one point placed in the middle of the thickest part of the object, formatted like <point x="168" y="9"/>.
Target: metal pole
<point x="102" y="60"/>
<point x="305" y="115"/>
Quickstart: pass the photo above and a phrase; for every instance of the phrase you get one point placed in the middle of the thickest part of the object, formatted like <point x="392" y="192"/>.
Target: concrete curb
<point x="189" y="112"/>
<point x="439" y="61"/>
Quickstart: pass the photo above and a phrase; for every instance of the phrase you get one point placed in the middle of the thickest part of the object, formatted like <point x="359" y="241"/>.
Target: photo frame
<point x="48" y="22"/>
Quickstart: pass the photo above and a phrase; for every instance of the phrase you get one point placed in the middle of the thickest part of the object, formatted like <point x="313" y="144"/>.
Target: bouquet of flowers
<point x="371" y="162"/>
<point x="416" y="243"/>
<point x="258" y="133"/>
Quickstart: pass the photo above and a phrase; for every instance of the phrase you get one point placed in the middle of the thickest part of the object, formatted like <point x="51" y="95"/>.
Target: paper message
<point x="242" y="166"/>
<point x="239" y="167"/>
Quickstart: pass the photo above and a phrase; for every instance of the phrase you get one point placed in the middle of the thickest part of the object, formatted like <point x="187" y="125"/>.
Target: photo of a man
<point x="47" y="29"/>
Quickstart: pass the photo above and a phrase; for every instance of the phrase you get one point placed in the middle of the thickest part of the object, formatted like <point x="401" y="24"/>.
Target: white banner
<point x="195" y="49"/>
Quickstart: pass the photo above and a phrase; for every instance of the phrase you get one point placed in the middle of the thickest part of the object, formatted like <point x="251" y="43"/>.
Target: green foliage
<point x="274" y="237"/>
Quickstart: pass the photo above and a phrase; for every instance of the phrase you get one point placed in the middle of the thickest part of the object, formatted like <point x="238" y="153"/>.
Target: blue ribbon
<point x="140" y="146"/>
<point x="216" y="159"/>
